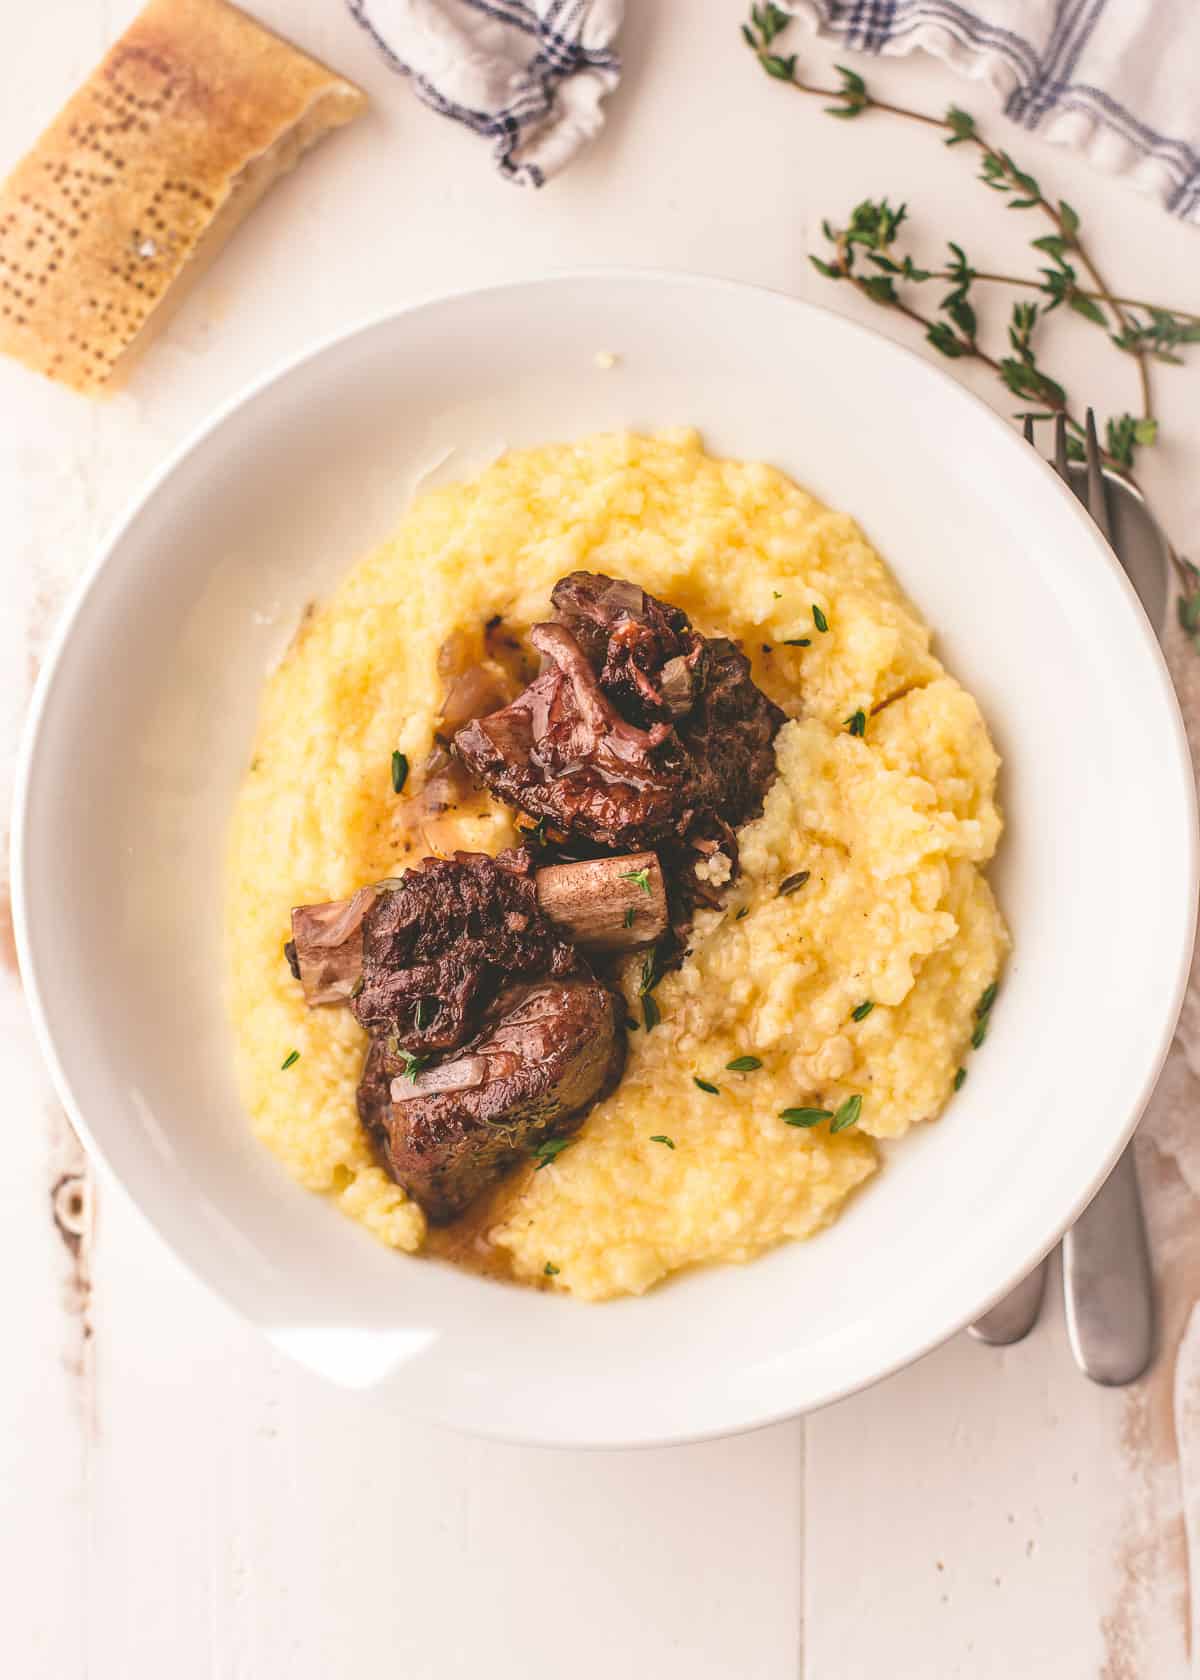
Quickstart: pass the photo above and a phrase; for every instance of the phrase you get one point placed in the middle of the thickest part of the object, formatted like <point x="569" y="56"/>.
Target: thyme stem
<point x="862" y="101"/>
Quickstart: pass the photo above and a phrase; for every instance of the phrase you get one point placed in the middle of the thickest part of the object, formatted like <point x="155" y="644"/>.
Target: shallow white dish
<point x="142" y="727"/>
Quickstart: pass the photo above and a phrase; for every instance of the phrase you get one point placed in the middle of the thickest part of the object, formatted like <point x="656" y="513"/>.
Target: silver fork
<point x="1107" y="1277"/>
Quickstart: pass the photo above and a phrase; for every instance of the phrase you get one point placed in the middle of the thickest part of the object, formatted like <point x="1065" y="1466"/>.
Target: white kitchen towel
<point x="528" y="75"/>
<point x="1119" y="80"/>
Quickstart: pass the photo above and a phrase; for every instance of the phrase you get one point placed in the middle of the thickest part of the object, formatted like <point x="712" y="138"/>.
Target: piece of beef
<point x="441" y="939"/>
<point x="601" y="904"/>
<point x="730" y="731"/>
<point x="438" y="942"/>
<point x="648" y="659"/>
<point x="562" y="752"/>
<point x="639" y="732"/>
<point x="545" y="1052"/>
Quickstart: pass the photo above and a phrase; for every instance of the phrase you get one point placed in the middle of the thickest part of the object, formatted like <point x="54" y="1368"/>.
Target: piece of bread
<point x="142" y="177"/>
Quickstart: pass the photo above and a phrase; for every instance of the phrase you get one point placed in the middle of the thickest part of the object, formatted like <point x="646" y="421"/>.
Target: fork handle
<point x="1015" y="1314"/>
<point x="1108" y="1282"/>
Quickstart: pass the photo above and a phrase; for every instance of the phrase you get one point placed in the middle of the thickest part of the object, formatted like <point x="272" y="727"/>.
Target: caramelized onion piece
<point x="478" y="690"/>
<point x="327" y="941"/>
<point x="676" y="686"/>
<point x="468" y="1073"/>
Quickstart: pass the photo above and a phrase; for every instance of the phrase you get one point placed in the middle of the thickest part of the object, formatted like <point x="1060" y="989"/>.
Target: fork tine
<point x="1097" y="490"/>
<point x="1028" y="428"/>
<point x="1060" y="447"/>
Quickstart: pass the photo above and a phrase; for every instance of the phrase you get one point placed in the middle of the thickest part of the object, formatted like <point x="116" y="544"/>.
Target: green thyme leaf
<point x="846" y="1115"/>
<point x="1069" y="219"/>
<point x="661" y="1137"/>
<point x="412" y="1064"/>
<point x="745" y="910"/>
<point x="549" y="1150"/>
<point x="783" y="69"/>
<point x="829" y="270"/>
<point x="640" y="878"/>
<point x="772" y="21"/>
<point x="960" y="1079"/>
<point x="399" y="772"/>
<point x="705" y="1085"/>
<point x="743" y="1064"/>
<point x="1053" y="244"/>
<point x="651" y="973"/>
<point x="551" y="1269"/>
<point x="650" y="1012"/>
<point x="980" y="1033"/>
<point x="819" y="619"/>
<point x="863" y="1010"/>
<point x="879" y="288"/>
<point x="961" y="124"/>
<point x="857" y="723"/>
<point x="805" y="1116"/>
<point x="290" y="1060"/>
<point x="793" y="883"/>
<point x="852" y="83"/>
<point x="942" y="338"/>
<point x="798" y="641"/>
<point x="628" y="917"/>
<point x="1088" y="308"/>
<point x="987" y="999"/>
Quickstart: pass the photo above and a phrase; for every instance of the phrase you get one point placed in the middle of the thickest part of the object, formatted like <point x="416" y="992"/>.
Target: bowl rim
<point x="762" y="1415"/>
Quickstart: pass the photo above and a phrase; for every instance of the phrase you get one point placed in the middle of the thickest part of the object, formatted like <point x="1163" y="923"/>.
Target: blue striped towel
<point x="1119" y="80"/>
<point x="529" y="75"/>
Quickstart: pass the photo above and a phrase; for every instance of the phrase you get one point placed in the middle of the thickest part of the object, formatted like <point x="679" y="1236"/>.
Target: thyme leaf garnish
<point x="412" y="1064"/>
<point x="805" y="1116"/>
<point x="846" y="1115"/>
<point x="549" y="1150"/>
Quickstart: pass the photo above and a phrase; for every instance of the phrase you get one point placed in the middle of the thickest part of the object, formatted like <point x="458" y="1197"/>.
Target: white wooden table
<point x="176" y="1501"/>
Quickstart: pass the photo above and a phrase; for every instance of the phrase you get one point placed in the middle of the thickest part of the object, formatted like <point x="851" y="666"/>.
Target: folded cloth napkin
<point x="527" y="74"/>
<point x="1116" y="79"/>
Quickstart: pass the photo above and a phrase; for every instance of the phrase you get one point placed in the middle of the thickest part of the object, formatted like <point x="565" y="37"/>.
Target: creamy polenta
<point x="849" y="955"/>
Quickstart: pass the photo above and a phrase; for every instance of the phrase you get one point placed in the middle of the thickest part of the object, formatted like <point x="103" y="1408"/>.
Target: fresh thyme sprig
<point x="1148" y="332"/>
<point x="871" y="235"/>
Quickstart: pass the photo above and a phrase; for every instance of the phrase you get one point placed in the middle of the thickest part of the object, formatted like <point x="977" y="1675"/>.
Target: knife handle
<point x="1108" y="1282"/>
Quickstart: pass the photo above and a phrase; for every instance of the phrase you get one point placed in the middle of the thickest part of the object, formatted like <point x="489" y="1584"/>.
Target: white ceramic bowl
<point x="143" y="723"/>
